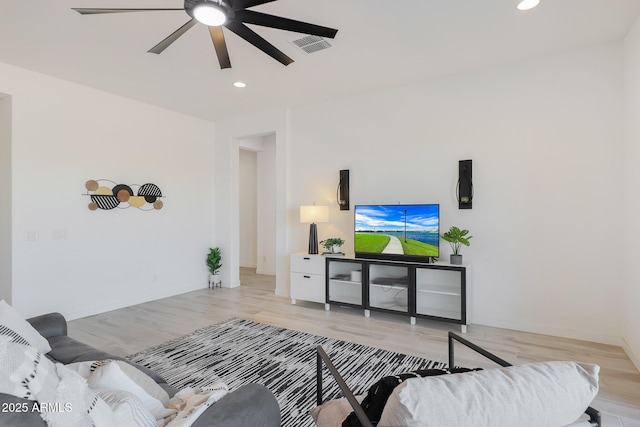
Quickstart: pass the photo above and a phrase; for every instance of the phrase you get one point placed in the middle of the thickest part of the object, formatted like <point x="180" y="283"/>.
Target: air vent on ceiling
<point x="312" y="44"/>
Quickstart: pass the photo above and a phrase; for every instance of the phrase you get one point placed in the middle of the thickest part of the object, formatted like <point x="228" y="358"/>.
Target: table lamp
<point x="312" y="215"/>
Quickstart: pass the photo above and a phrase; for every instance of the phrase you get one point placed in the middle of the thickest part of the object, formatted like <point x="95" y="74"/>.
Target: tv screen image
<point x="397" y="231"/>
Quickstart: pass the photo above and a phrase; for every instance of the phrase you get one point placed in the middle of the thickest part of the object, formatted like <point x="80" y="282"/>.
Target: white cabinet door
<point x="310" y="264"/>
<point x="307" y="278"/>
<point x="308" y="287"/>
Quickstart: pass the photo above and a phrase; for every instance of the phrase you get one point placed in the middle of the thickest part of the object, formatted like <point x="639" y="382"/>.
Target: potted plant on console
<point x="456" y="238"/>
<point x="214" y="262"/>
<point x="332" y="244"/>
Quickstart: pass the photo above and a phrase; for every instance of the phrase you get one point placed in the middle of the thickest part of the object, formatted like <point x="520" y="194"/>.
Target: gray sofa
<point x="249" y="405"/>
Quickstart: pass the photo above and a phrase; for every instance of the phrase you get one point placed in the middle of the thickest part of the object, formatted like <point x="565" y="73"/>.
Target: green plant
<point x="331" y="242"/>
<point x="214" y="260"/>
<point x="456" y="237"/>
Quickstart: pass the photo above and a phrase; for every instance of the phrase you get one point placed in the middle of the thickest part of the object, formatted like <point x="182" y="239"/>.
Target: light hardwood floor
<point x="133" y="329"/>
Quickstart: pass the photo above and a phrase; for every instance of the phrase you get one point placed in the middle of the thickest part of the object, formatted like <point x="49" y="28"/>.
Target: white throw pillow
<point x="24" y="371"/>
<point x="111" y="377"/>
<point x="13" y="325"/>
<point x="85" y="369"/>
<point x="81" y="405"/>
<point x="128" y="410"/>
<point x="59" y="394"/>
<point x="532" y="395"/>
<point x="148" y="384"/>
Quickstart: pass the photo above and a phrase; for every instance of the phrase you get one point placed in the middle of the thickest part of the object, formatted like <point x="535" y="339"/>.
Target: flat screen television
<point x="397" y="232"/>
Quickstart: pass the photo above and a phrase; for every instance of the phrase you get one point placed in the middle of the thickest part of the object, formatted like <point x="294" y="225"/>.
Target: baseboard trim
<point x="230" y="285"/>
<point x="282" y="292"/>
<point x="545" y="330"/>
<point x="631" y="354"/>
<point x="127" y="302"/>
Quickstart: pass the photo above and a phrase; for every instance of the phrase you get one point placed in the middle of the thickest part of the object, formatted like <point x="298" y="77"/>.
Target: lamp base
<point x="313" y="239"/>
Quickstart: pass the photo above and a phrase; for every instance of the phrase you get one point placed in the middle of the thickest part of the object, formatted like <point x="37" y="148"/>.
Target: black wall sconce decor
<point x="342" y="194"/>
<point x="464" y="188"/>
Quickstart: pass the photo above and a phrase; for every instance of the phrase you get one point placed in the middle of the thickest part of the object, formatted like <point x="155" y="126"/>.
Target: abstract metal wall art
<point x="107" y="195"/>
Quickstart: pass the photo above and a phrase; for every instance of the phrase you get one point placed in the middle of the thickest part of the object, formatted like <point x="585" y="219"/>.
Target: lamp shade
<point x="314" y="214"/>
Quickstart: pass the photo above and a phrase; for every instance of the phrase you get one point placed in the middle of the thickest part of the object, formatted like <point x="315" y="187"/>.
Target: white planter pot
<point x="215" y="280"/>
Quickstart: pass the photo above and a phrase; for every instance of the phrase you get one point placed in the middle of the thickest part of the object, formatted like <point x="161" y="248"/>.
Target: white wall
<point x="248" y="208"/>
<point x="545" y="138"/>
<point x="631" y="222"/>
<point x="5" y="197"/>
<point x="545" y="135"/>
<point x="86" y="262"/>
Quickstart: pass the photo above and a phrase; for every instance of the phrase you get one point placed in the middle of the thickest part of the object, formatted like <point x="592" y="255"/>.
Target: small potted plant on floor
<point x="456" y="238"/>
<point x="332" y="244"/>
<point x="214" y="262"/>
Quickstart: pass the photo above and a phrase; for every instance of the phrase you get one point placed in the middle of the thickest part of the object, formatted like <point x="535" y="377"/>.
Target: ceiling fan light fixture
<point x="234" y="15"/>
<point x="210" y="14"/>
<point x="527" y="4"/>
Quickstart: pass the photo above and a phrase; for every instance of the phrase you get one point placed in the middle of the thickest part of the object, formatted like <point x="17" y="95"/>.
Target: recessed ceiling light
<point x="527" y="4"/>
<point x="240" y="84"/>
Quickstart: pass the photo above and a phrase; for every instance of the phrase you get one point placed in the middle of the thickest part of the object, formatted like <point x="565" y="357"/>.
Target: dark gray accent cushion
<point x="49" y="325"/>
<point x="250" y="405"/>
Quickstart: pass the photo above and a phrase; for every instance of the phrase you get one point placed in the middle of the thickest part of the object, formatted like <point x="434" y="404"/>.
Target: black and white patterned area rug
<point x="240" y="351"/>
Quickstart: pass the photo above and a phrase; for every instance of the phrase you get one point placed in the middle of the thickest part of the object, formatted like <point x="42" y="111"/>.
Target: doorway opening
<point x="257" y="211"/>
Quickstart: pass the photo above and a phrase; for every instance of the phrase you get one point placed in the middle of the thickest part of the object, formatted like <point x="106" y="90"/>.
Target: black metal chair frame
<point x="322" y="357"/>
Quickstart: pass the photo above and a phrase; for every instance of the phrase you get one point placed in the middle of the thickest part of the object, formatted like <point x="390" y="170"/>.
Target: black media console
<point x="435" y="291"/>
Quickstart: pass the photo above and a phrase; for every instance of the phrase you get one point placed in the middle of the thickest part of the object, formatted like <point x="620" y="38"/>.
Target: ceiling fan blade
<point x="265" y="20"/>
<point x="173" y="37"/>
<point x="249" y="35"/>
<point x="92" y="11"/>
<point x="243" y="4"/>
<point x="217" y="36"/>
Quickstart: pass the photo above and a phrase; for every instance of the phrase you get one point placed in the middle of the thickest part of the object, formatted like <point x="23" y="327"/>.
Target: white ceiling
<point x="380" y="44"/>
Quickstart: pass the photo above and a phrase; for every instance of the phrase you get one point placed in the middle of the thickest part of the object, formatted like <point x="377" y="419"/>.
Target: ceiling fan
<point x="231" y="14"/>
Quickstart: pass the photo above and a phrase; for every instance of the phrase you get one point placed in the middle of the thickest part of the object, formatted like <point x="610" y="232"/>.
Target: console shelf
<point x="430" y="291"/>
<point x="440" y="289"/>
<point x="441" y="314"/>
<point x="390" y="287"/>
<point x="344" y="282"/>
